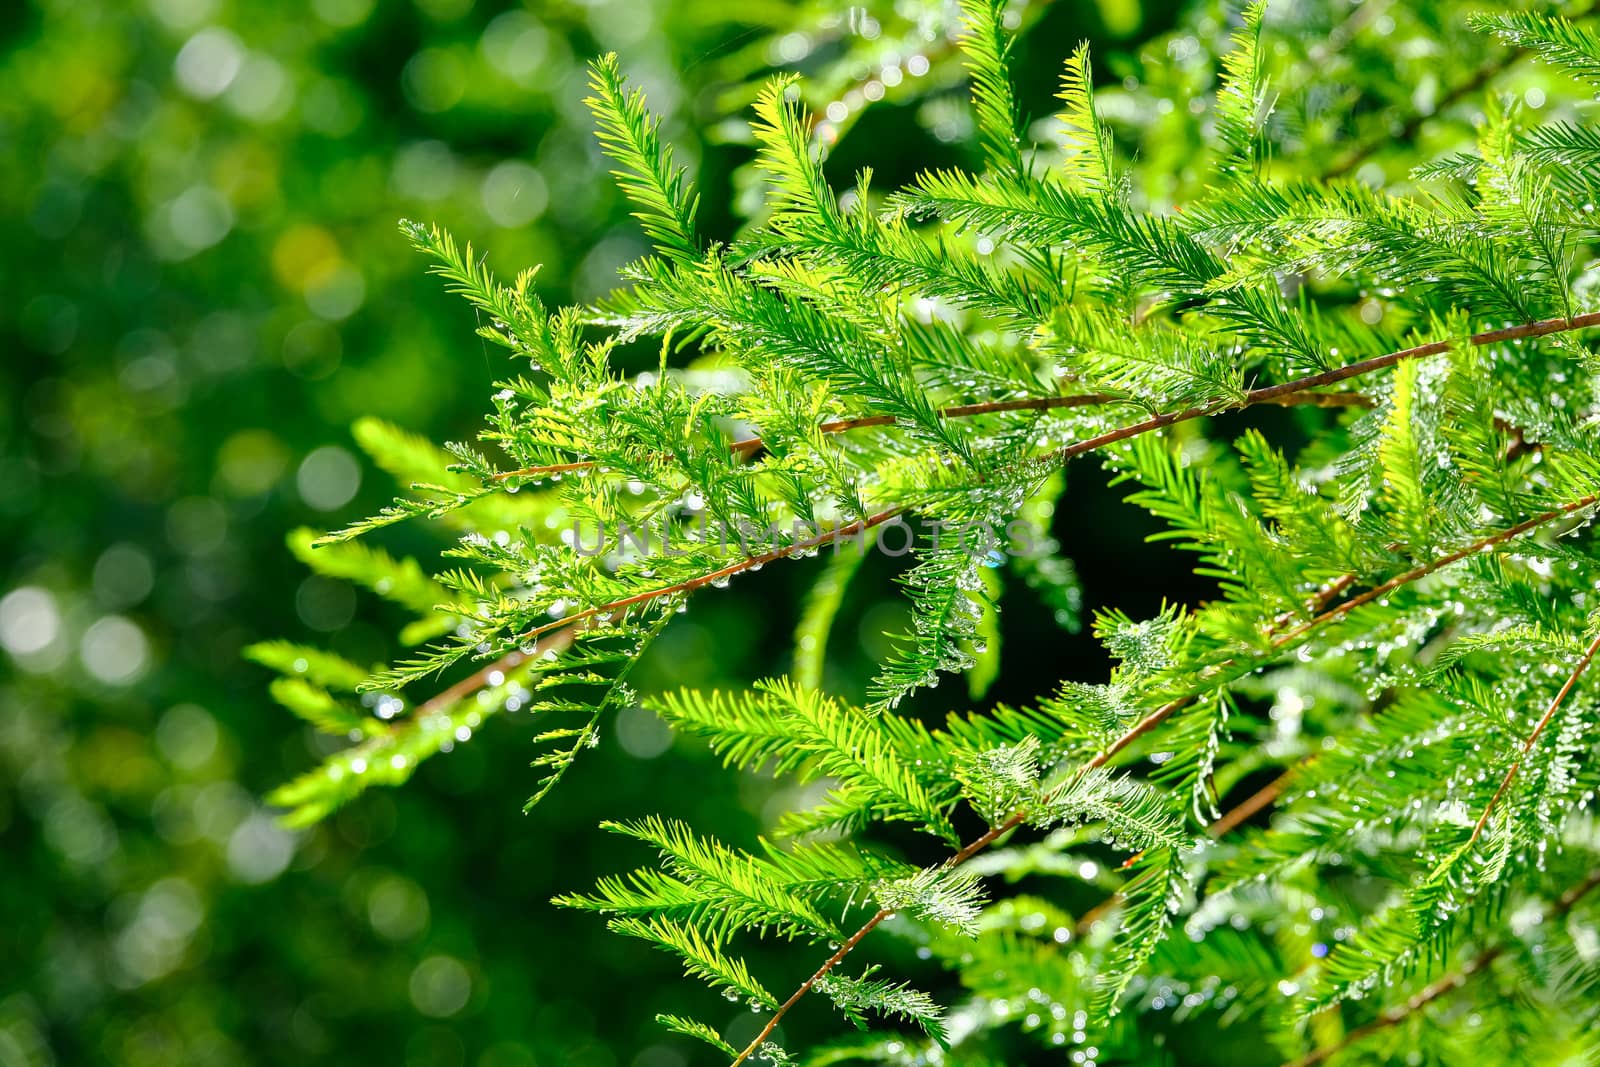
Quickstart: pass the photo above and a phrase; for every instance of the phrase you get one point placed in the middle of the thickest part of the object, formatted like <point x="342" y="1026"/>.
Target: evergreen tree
<point x="1351" y="790"/>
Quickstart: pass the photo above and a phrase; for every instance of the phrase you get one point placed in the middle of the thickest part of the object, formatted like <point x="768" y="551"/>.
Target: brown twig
<point x="1319" y="603"/>
<point x="1527" y="746"/>
<point x="1272" y="393"/>
<point x="472" y="683"/>
<point x="1321" y="400"/>
<point x="753" y="445"/>
<point x="1261" y="798"/>
<point x="556" y="642"/>
<point x="689" y="585"/>
<point x="545" y="472"/>
<point x="1408" y="132"/>
<point x="1426" y="569"/>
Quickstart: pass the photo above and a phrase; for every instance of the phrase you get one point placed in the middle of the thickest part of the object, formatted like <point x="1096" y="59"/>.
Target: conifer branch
<point x="834" y="313"/>
<point x="1217" y="828"/>
<point x="1148" y="723"/>
<point x="1269" y="793"/>
<point x="1448" y="984"/>
<point x="956" y="859"/>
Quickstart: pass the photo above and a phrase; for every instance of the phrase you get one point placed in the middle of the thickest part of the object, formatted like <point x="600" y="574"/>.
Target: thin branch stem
<point x="1319" y="603"/>
<point x="479" y="679"/>
<point x="1275" y="393"/>
<point x="1261" y="798"/>
<point x="689" y="585"/>
<point x="544" y="472"/>
<point x="750" y="446"/>
<point x="472" y="683"/>
<point x="1538" y="729"/>
<point x="1450" y="982"/>
<point x="1407" y="134"/>
<point x="1379" y="591"/>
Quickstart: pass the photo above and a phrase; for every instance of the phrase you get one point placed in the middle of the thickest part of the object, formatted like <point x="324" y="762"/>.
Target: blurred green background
<point x="203" y="288"/>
